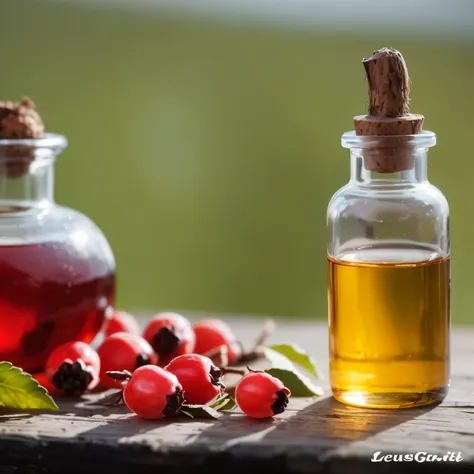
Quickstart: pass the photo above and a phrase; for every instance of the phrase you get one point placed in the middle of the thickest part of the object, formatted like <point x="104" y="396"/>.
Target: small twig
<point x="267" y="331"/>
<point x="250" y="356"/>
<point x="257" y="351"/>
<point x="119" y="375"/>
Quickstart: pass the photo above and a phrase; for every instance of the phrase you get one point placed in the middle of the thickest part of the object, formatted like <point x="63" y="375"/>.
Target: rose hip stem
<point x="257" y="351"/>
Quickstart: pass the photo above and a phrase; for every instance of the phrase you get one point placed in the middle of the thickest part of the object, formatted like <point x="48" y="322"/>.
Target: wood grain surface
<point x="316" y="435"/>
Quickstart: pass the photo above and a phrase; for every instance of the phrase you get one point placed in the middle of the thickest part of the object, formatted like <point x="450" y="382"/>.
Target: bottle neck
<point x="414" y="172"/>
<point x="26" y="184"/>
<point x="27" y="172"/>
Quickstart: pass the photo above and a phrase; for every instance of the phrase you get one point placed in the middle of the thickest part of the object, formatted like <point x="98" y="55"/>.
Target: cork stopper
<point x="18" y="120"/>
<point x="389" y="113"/>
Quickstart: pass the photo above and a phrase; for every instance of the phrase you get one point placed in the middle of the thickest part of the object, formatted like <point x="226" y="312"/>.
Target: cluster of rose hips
<point x="163" y="369"/>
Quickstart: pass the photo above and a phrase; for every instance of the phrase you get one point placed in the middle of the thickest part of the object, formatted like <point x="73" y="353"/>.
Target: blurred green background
<point x="207" y="151"/>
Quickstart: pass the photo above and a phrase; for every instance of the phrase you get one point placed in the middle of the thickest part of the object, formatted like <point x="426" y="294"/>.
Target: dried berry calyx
<point x="170" y="335"/>
<point x="165" y="341"/>
<point x="72" y="377"/>
<point x="20" y="120"/>
<point x="173" y="403"/>
<point x="143" y="359"/>
<point x="280" y="403"/>
<point x="73" y="367"/>
<point x="215" y="374"/>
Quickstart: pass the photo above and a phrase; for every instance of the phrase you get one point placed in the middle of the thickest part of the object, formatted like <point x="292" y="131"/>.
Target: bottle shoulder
<point x="68" y="217"/>
<point x="402" y="217"/>
<point x="54" y="223"/>
<point x="409" y="197"/>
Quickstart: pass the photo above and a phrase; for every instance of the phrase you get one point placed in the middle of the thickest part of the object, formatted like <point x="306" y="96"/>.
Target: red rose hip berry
<point x="213" y="333"/>
<point x="121" y="322"/>
<point x="123" y="351"/>
<point x="170" y="335"/>
<point x="73" y="368"/>
<point x="199" y="377"/>
<point x="259" y="395"/>
<point x="153" y="393"/>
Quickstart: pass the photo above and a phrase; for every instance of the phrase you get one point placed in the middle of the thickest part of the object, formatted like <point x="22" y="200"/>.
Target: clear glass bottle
<point x="57" y="271"/>
<point x="389" y="279"/>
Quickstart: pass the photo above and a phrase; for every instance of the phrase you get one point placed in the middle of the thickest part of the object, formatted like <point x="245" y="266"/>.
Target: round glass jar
<point x="57" y="271"/>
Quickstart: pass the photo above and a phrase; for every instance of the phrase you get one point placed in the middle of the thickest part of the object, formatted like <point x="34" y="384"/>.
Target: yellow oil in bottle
<point x="389" y="327"/>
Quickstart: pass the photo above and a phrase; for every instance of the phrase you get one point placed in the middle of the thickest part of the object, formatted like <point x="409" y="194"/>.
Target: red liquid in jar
<point x="50" y="293"/>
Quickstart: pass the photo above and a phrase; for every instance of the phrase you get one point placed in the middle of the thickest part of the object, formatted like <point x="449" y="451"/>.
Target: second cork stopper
<point x="18" y="121"/>
<point x="389" y="113"/>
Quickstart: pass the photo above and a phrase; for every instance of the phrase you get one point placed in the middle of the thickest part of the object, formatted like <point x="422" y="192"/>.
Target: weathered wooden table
<point x="314" y="435"/>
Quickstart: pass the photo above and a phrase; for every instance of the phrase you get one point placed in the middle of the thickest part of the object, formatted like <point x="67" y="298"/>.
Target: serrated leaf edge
<point x="17" y="371"/>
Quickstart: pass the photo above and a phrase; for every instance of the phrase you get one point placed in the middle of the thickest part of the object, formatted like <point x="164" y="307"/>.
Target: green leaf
<point x="200" y="411"/>
<point x="299" y="384"/>
<point x="226" y="402"/>
<point x="231" y="404"/>
<point x="284" y="369"/>
<point x="297" y="355"/>
<point x="19" y="390"/>
<point x="278" y="360"/>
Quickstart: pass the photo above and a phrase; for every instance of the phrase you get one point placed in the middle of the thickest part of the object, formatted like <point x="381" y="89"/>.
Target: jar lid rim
<point x="48" y="140"/>
<point x="424" y="139"/>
